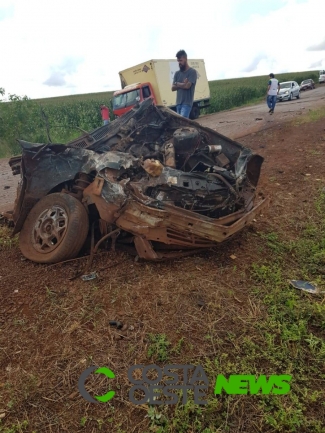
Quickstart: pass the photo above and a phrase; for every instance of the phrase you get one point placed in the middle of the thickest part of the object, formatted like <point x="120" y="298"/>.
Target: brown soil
<point x="53" y="328"/>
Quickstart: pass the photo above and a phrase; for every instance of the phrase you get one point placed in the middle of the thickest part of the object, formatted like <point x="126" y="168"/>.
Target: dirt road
<point x="247" y="120"/>
<point x="233" y="123"/>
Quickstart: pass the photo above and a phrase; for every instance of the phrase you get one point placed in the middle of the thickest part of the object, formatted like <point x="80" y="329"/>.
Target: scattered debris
<point x="305" y="286"/>
<point x="2" y="415"/>
<point x="233" y="257"/>
<point x="201" y="303"/>
<point x="16" y="291"/>
<point x="119" y="325"/>
<point x="89" y="277"/>
<point x="258" y="118"/>
<point x="6" y="187"/>
<point x="73" y="395"/>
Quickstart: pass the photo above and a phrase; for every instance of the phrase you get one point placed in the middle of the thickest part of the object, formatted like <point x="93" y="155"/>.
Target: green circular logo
<point x="97" y="370"/>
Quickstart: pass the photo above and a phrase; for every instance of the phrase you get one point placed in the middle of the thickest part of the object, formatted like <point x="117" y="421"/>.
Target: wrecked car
<point x="151" y="181"/>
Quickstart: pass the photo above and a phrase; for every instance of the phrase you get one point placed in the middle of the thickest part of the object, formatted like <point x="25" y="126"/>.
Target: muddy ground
<point x="53" y="328"/>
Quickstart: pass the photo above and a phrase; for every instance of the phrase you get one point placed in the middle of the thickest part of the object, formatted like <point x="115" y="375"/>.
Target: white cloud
<point x="317" y="47"/>
<point x="51" y="47"/>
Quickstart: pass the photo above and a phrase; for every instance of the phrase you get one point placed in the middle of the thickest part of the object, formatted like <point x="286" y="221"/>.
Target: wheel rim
<point x="50" y="229"/>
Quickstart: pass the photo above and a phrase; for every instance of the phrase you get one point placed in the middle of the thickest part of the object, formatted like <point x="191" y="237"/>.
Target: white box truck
<point x="154" y="79"/>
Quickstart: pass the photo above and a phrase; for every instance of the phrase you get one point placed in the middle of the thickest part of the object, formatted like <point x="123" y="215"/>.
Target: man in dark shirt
<point x="184" y="84"/>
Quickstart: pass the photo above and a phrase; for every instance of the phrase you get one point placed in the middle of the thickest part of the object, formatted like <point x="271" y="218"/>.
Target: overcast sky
<point x="62" y="47"/>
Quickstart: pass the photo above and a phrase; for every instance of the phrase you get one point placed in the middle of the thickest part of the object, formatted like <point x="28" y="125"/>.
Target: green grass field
<point x="27" y="119"/>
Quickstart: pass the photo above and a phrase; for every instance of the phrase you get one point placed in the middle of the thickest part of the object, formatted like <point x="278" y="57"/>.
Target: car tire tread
<point x="74" y="237"/>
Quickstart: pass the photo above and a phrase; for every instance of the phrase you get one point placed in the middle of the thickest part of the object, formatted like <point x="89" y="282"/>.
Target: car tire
<point x="290" y="97"/>
<point x="55" y="229"/>
<point x="298" y="96"/>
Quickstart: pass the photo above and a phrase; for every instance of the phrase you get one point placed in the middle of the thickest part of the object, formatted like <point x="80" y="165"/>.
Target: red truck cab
<point x="124" y="100"/>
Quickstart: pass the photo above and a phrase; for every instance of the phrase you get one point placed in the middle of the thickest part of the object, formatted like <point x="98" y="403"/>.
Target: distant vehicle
<point x="321" y="77"/>
<point x="288" y="90"/>
<point x="307" y="84"/>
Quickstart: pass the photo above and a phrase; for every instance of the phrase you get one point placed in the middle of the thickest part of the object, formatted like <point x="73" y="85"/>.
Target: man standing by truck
<point x="184" y="84"/>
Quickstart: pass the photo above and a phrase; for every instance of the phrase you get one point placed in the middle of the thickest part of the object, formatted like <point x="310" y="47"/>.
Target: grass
<point x="6" y="240"/>
<point x="282" y="334"/>
<point x="27" y="119"/>
<point x="311" y="116"/>
<point x="158" y="347"/>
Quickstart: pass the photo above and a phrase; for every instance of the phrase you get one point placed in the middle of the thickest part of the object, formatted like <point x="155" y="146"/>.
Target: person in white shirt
<point x="272" y="90"/>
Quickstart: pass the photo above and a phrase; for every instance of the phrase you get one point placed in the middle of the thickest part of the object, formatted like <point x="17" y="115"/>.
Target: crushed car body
<point x="161" y="183"/>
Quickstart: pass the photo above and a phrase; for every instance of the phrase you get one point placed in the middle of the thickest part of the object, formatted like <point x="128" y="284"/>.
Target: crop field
<point x="62" y="119"/>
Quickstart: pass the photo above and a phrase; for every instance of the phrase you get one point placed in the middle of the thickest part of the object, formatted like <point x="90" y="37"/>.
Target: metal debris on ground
<point x="305" y="286"/>
<point x="89" y="277"/>
<point x="119" y="325"/>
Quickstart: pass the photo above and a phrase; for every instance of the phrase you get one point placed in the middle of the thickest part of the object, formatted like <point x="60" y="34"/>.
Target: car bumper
<point x="282" y="97"/>
<point x="182" y="228"/>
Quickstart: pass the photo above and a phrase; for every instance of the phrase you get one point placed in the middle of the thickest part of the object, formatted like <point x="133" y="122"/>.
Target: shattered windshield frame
<point x="126" y="99"/>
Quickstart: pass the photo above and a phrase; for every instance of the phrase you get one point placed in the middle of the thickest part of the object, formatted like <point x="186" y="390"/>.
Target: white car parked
<point x="288" y="90"/>
<point x="321" y="77"/>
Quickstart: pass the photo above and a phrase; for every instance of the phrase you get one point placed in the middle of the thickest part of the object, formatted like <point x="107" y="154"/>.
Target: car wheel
<point x="298" y="96"/>
<point x="290" y="97"/>
<point x="55" y="229"/>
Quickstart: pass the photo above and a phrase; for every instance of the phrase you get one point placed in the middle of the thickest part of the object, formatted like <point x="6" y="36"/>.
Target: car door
<point x="297" y="89"/>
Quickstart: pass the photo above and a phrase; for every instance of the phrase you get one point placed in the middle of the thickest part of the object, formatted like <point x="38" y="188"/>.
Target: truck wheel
<point x="54" y="230"/>
<point x="195" y="112"/>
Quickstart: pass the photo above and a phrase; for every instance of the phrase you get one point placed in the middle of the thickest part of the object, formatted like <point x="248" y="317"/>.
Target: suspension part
<point x="80" y="184"/>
